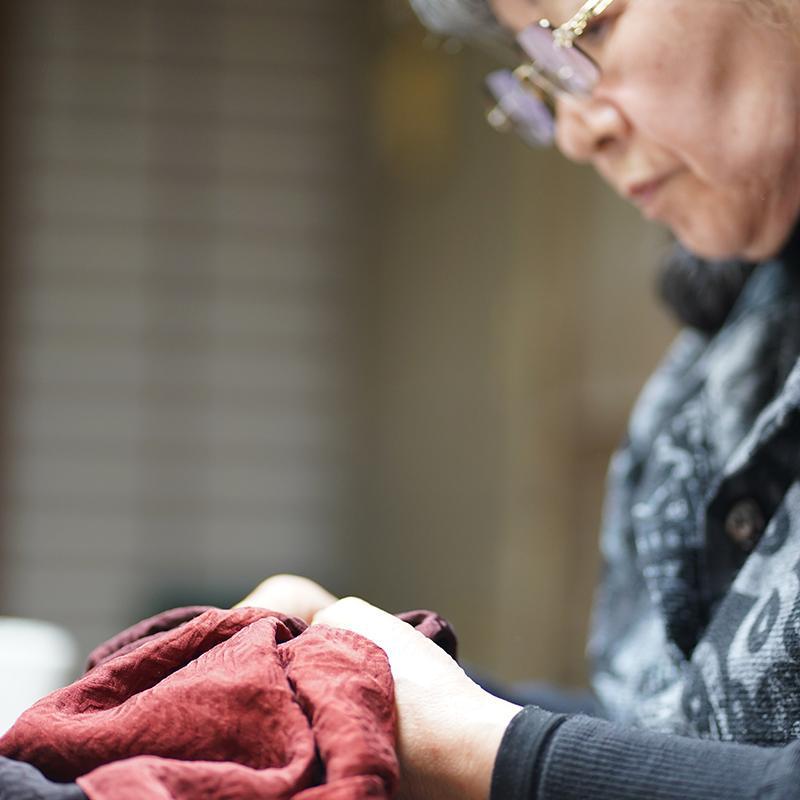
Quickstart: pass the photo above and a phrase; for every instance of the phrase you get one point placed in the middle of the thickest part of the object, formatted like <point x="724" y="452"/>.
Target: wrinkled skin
<point x="699" y="93"/>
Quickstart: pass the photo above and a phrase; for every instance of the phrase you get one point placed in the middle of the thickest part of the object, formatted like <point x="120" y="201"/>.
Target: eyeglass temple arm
<point x="574" y="27"/>
<point x="525" y="73"/>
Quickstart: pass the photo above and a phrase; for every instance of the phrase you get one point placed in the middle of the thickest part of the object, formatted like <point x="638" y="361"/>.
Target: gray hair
<point x="463" y="19"/>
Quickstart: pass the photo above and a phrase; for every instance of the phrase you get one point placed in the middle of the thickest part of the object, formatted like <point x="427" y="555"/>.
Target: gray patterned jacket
<point x="697" y="621"/>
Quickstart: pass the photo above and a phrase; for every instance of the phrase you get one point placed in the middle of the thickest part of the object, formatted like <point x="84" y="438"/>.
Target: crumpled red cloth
<point x="206" y="704"/>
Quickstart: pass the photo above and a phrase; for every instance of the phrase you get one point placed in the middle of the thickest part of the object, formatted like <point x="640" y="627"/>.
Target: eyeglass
<point x="523" y="100"/>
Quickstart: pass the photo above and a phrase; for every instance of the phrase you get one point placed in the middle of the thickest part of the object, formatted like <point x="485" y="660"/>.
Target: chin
<point x="715" y="237"/>
<point x="709" y="247"/>
<point x="725" y="239"/>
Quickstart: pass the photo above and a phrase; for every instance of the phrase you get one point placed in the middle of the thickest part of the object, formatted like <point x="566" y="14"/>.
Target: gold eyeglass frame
<point x="529" y="74"/>
<point x="566" y="34"/>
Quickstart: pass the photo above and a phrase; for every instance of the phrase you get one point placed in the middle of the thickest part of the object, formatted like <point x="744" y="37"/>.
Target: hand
<point x="290" y="595"/>
<point x="449" y="729"/>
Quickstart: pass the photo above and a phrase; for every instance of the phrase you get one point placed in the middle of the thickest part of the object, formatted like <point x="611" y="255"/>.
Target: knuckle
<point x="352" y="602"/>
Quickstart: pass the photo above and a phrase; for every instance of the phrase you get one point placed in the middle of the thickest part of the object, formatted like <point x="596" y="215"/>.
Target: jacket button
<point x="745" y="523"/>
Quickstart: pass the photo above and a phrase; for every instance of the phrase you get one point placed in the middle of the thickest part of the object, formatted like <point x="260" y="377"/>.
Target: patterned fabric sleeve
<point x="20" y="781"/>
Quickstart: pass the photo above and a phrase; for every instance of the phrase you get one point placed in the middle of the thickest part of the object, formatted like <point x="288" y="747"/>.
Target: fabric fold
<point x="204" y="703"/>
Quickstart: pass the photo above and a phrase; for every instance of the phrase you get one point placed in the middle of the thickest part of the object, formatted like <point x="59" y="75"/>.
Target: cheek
<point x="738" y="142"/>
<point x="711" y="97"/>
<point x="723" y="138"/>
<point x="682" y="116"/>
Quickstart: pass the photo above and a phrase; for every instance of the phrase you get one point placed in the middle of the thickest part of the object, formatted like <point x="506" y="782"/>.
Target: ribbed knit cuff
<point x="516" y="768"/>
<point x="592" y="758"/>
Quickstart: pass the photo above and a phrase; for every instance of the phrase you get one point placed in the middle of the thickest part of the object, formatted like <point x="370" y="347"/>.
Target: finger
<point x="355" y="614"/>
<point x="347" y="612"/>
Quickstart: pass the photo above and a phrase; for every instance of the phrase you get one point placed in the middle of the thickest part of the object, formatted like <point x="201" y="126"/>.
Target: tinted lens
<point x="566" y="67"/>
<point x="519" y="107"/>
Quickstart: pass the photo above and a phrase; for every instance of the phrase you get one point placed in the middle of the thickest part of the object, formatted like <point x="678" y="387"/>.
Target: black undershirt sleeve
<point x="546" y="756"/>
<point x="524" y="744"/>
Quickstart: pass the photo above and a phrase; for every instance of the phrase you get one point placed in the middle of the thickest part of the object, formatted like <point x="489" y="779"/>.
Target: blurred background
<point x="275" y="298"/>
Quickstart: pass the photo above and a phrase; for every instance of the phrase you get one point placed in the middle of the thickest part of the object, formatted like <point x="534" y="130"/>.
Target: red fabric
<point x="228" y="704"/>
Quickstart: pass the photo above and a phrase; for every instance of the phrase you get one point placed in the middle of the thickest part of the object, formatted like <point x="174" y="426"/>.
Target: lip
<point x="645" y="193"/>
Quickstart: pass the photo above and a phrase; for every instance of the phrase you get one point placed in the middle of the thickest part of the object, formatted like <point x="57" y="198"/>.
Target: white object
<point x="35" y="658"/>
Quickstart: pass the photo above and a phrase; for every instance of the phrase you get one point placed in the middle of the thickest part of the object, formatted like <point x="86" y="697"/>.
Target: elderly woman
<point x="690" y="109"/>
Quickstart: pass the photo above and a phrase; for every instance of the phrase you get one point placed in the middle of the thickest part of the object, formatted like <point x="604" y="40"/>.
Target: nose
<point x="587" y="126"/>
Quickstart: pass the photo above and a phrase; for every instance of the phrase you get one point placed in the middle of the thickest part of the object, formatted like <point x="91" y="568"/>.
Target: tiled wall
<point x="184" y="242"/>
